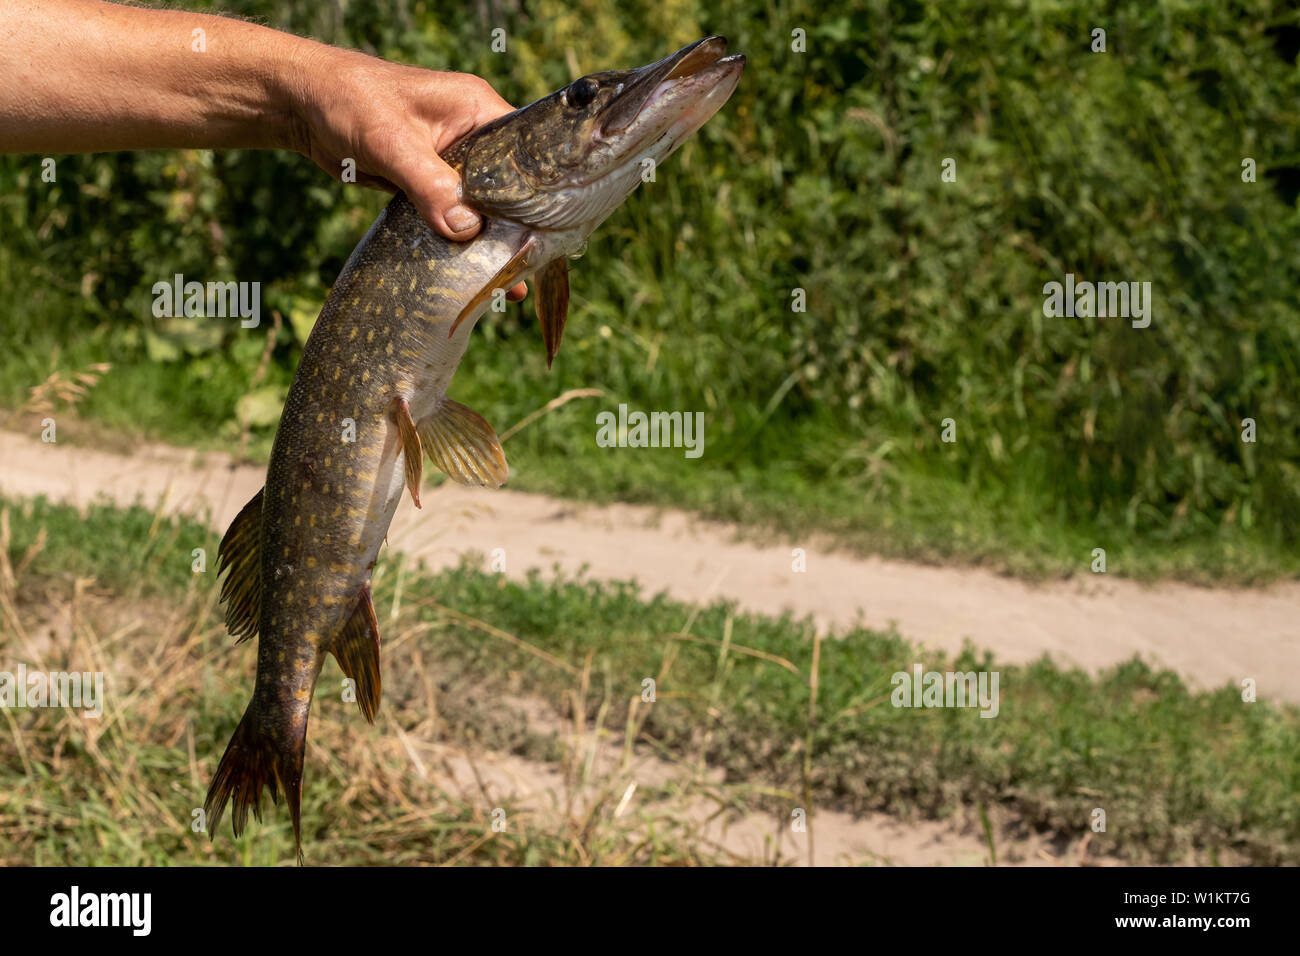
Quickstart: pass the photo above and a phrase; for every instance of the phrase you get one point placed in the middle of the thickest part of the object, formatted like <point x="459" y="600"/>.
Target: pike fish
<point x="368" y="401"/>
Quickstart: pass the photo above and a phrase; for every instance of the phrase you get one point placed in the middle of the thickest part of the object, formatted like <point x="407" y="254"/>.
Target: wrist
<point x="293" y="92"/>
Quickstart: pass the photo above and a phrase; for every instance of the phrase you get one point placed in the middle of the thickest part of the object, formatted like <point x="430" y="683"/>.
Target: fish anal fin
<point x="552" y="297"/>
<point x="356" y="648"/>
<point x="463" y="445"/>
<point x="411" y="447"/>
<point x="505" y="279"/>
<point x="240" y="552"/>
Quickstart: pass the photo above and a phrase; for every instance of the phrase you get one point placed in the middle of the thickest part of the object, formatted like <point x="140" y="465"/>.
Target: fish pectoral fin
<point x="410" y="446"/>
<point x="241" y="552"/>
<point x="356" y="648"/>
<point x="505" y="279"/>
<point x="552" y="303"/>
<point x="461" y="443"/>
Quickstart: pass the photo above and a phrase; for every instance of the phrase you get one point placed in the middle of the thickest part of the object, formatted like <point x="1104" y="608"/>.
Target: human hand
<point x="393" y="121"/>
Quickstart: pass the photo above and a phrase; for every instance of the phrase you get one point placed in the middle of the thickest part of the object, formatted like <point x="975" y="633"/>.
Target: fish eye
<point x="580" y="92"/>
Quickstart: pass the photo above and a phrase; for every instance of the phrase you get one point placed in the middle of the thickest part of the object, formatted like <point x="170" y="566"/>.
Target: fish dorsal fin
<point x="505" y="279"/>
<point x="553" y="303"/>
<point x="460" y="442"/>
<point x="411" y="448"/>
<point x="356" y="648"/>
<point x="240" y="552"/>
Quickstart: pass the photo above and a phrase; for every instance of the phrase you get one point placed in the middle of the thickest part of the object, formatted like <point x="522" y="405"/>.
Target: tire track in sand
<point x="1208" y="635"/>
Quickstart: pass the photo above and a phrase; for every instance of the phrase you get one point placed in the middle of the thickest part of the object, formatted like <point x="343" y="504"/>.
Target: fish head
<point x="567" y="161"/>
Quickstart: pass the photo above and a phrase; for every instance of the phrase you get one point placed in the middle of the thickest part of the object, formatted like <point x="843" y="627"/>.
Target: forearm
<point x="83" y="76"/>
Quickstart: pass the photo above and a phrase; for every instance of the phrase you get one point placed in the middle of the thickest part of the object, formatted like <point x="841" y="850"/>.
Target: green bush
<point x="924" y="298"/>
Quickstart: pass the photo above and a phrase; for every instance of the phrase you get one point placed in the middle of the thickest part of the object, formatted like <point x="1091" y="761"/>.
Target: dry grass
<point x="60" y="389"/>
<point x="421" y="787"/>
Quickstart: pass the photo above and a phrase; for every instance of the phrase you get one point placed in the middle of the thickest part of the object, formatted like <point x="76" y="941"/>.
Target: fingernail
<point x="461" y="219"/>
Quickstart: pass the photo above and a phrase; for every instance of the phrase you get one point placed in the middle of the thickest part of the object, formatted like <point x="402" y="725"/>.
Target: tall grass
<point x="422" y="787"/>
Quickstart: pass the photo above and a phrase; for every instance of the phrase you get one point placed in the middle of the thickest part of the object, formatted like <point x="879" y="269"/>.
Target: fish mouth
<point x="699" y="68"/>
<point x="656" y="108"/>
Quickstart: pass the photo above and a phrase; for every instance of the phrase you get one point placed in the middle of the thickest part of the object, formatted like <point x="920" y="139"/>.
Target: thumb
<point x="434" y="189"/>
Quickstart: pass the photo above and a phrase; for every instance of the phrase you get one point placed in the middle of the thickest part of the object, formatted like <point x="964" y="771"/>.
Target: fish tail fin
<point x="257" y="758"/>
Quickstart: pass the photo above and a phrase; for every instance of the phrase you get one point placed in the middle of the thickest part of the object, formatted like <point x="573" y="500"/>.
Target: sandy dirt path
<point x="1210" y="636"/>
<point x="835" y="839"/>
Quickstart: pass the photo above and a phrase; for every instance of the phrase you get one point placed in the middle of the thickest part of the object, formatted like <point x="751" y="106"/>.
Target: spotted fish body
<point x="336" y="475"/>
<point x="369" y="400"/>
<point x="337" y="470"/>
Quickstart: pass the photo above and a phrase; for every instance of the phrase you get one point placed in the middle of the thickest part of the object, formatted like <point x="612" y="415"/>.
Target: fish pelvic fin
<point x="463" y="445"/>
<point x="414" y="457"/>
<point x="356" y="648"/>
<point x="552" y="304"/>
<point x="257" y="758"/>
<point x="240" y="553"/>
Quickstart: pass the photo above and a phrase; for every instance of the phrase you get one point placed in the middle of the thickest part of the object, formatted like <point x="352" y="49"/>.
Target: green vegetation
<point x="1181" y="775"/>
<point x="924" y="298"/>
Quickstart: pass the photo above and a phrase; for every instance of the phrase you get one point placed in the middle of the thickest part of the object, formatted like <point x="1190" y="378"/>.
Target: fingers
<point x="434" y="189"/>
<point x="398" y="147"/>
<point x="517" y="293"/>
<point x="432" y="185"/>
